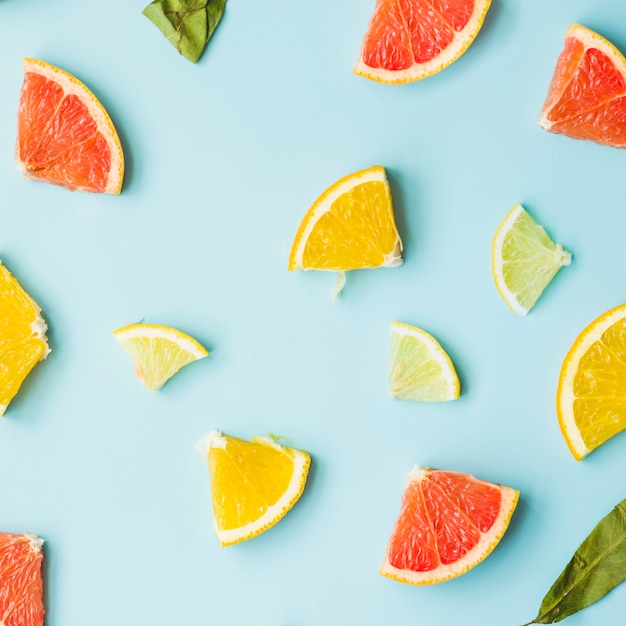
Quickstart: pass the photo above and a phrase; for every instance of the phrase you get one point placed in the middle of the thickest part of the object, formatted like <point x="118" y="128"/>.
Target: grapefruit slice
<point x="21" y="584"/>
<point x="449" y="522"/>
<point x="408" y="40"/>
<point x="64" y="135"/>
<point x="587" y="94"/>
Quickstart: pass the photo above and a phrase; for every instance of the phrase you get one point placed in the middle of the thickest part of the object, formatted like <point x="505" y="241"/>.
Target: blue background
<point x="223" y="159"/>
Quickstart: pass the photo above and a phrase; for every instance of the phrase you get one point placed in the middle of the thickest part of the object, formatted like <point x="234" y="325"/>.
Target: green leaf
<point x="187" y="24"/>
<point x="598" y="565"/>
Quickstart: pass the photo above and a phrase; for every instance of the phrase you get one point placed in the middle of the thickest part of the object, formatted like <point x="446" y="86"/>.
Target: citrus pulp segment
<point x="158" y="352"/>
<point x="419" y="368"/>
<point x="253" y="484"/>
<point x="524" y="260"/>
<point x="21" y="584"/>
<point x="591" y="393"/>
<point x="448" y="523"/>
<point x="350" y="226"/>
<point x="587" y="95"/>
<point x="23" y="341"/>
<point x="408" y="40"/>
<point x="64" y="135"/>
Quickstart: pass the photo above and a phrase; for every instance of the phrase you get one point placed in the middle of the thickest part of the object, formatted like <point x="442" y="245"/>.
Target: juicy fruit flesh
<point x="587" y="95"/>
<point x="22" y="337"/>
<point x="600" y="387"/>
<point x="405" y="32"/>
<point x="441" y="520"/>
<point x="21" y="585"/>
<point x="342" y="238"/>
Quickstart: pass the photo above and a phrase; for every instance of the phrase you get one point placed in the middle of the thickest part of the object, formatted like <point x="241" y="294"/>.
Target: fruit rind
<point x="436" y="64"/>
<point x="324" y="203"/>
<point x="436" y="351"/>
<point x="590" y="39"/>
<point x="301" y="461"/>
<point x="485" y="546"/>
<point x="157" y="331"/>
<point x="72" y="86"/>
<point x="565" y="397"/>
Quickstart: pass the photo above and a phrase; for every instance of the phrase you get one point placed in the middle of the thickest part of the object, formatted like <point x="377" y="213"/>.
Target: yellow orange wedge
<point x="350" y="226"/>
<point x="408" y="40"/>
<point x="587" y="94"/>
<point x="23" y="341"/>
<point x="253" y="483"/>
<point x="591" y="394"/>
<point x="158" y="352"/>
<point x="448" y="523"/>
<point x="64" y="134"/>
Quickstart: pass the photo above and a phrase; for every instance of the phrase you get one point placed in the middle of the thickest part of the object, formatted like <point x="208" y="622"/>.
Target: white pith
<point x="565" y="395"/>
<point x="422" y="70"/>
<point x="436" y="352"/>
<point x="72" y="86"/>
<point x="589" y="39"/>
<point x="486" y="544"/>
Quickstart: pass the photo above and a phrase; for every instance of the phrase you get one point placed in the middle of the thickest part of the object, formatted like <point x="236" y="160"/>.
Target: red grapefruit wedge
<point x="448" y="523"/>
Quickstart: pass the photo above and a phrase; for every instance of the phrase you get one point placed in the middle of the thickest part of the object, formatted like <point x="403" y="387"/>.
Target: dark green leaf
<point x="598" y="565"/>
<point x="187" y="24"/>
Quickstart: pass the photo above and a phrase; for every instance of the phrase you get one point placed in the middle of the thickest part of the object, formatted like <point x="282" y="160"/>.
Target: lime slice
<point x="158" y="352"/>
<point x="419" y="368"/>
<point x="524" y="260"/>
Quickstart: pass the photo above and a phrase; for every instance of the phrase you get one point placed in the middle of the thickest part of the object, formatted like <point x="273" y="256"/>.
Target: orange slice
<point x="21" y="584"/>
<point x="350" y="226"/>
<point x="449" y="522"/>
<point x="591" y="394"/>
<point x="587" y="95"/>
<point x="64" y="135"/>
<point x="253" y="484"/>
<point x="408" y="40"/>
<point x="23" y="341"/>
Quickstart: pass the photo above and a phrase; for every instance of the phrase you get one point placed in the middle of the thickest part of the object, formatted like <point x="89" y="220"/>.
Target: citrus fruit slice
<point x="253" y="484"/>
<point x="524" y="260"/>
<point x="408" y="40"/>
<point x="419" y="368"/>
<point x="587" y="95"/>
<point x="350" y="226"/>
<point x="23" y="341"/>
<point x="158" y="352"/>
<point x="64" y="135"/>
<point x="448" y="523"/>
<point x="21" y="584"/>
<point x="591" y="394"/>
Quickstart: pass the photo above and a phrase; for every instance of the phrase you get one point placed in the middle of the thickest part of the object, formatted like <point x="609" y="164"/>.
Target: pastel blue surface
<point x="223" y="159"/>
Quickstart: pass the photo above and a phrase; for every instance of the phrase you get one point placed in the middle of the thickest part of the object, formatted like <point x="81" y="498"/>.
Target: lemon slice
<point x="350" y="226"/>
<point x="524" y="260"/>
<point x="158" y="352"/>
<point x="419" y="368"/>
<point x="23" y="341"/>
<point x="591" y="395"/>
<point x="253" y="484"/>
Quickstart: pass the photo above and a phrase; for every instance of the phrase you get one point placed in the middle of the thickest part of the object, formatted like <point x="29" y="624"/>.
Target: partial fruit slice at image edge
<point x="21" y="583"/>
<point x="350" y="226"/>
<point x="419" y="368"/>
<point x="64" y="135"/>
<point x="410" y="40"/>
<point x="448" y="523"/>
<point x="587" y="94"/>
<point x="524" y="260"/>
<point x="23" y="340"/>
<point x="158" y="352"/>
<point x="591" y="393"/>
<point x="253" y="484"/>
